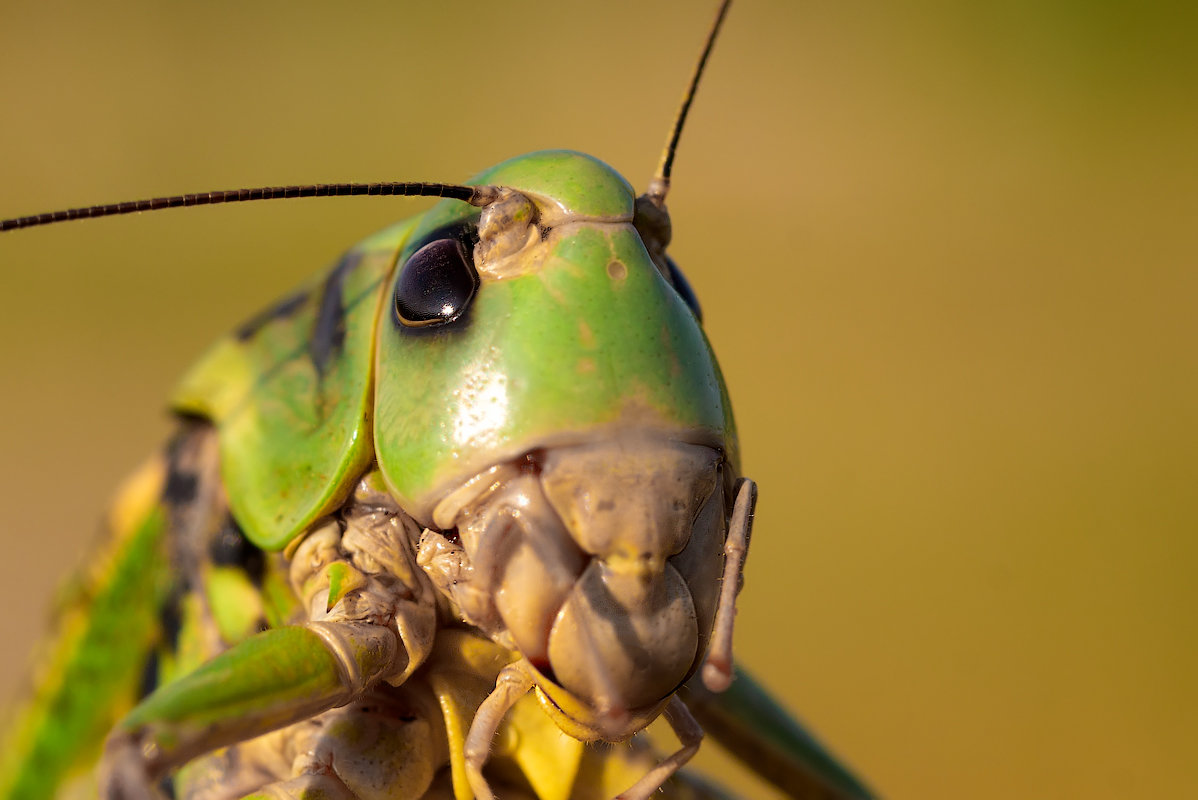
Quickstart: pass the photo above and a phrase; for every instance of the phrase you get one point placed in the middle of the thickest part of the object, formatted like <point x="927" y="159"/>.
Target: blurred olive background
<point x="948" y="259"/>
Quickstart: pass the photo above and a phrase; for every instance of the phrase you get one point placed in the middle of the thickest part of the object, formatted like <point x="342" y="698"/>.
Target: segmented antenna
<point x="474" y="195"/>
<point x="661" y="181"/>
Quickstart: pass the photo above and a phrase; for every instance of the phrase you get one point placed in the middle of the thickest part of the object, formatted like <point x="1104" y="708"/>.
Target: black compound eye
<point x="436" y="285"/>
<point x="683" y="287"/>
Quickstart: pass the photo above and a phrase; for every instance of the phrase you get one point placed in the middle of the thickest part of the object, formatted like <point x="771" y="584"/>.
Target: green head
<point x="559" y="326"/>
<point x="549" y="316"/>
<point x="541" y="397"/>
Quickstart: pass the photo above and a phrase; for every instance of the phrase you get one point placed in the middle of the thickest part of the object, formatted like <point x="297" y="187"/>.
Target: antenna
<point x="474" y="195"/>
<point x="661" y="181"/>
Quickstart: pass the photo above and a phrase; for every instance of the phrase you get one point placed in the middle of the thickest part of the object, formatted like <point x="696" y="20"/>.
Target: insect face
<point x="488" y="453"/>
<point x="608" y="493"/>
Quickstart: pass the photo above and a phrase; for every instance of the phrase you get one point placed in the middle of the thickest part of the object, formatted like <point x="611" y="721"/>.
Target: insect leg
<point x="717" y="671"/>
<point x="512" y="684"/>
<point x="689" y="734"/>
<point x="384" y="746"/>
<point x="270" y="680"/>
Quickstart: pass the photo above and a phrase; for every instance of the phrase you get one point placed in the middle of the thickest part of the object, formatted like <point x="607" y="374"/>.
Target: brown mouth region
<point x="600" y="563"/>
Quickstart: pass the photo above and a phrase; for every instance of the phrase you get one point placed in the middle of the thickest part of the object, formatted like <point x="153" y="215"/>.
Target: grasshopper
<point x="478" y="482"/>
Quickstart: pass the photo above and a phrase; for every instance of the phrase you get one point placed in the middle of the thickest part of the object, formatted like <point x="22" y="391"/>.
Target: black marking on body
<point x="328" y="331"/>
<point x="197" y="514"/>
<point x="284" y="309"/>
<point x="181" y="481"/>
<point x="182" y="485"/>
<point x="180" y="488"/>
<point x="229" y="547"/>
<point x="149" y="675"/>
<point x="181" y="496"/>
<point x="170" y="619"/>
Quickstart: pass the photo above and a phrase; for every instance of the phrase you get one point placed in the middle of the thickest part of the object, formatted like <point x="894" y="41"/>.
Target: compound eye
<point x="436" y="285"/>
<point x="683" y="287"/>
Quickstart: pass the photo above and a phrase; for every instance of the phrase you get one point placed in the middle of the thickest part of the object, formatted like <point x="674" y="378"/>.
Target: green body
<point x="108" y="623"/>
<point x="304" y="398"/>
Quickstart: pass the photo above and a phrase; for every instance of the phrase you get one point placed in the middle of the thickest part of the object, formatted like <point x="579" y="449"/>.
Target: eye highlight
<point x="436" y="284"/>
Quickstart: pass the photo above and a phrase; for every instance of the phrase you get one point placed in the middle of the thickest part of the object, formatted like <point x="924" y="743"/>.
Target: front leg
<point x="512" y="683"/>
<point x="371" y="617"/>
<point x="268" y="681"/>
<point x="717" y="670"/>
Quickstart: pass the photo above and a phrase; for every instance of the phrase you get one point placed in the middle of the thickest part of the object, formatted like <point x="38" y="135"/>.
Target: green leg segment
<point x="758" y="730"/>
<point x="105" y="634"/>
<point x="268" y="681"/>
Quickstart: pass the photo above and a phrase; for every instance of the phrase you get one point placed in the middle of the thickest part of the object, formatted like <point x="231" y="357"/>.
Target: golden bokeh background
<point x="949" y="259"/>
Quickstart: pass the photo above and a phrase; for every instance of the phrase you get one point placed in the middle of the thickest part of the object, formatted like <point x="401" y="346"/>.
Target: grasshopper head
<point x="555" y="416"/>
<point x="559" y="321"/>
